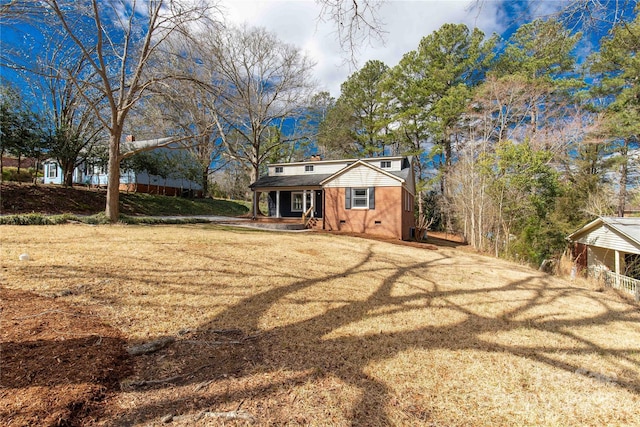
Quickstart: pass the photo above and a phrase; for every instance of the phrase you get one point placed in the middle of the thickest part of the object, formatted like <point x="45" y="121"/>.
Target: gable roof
<point x="628" y="227"/>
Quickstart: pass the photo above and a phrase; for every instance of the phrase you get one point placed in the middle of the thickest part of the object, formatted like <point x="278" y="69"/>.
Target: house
<point x="372" y="196"/>
<point x="95" y="175"/>
<point x="130" y="180"/>
<point x="610" y="246"/>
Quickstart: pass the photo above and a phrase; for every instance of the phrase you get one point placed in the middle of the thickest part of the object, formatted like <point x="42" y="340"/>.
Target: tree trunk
<point x="68" y="173"/>
<point x="622" y="192"/>
<point x="205" y="181"/>
<point x="255" y="209"/>
<point x="112" y="210"/>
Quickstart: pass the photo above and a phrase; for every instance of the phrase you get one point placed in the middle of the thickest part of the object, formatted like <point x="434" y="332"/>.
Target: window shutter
<point x="372" y="197"/>
<point x="347" y="198"/>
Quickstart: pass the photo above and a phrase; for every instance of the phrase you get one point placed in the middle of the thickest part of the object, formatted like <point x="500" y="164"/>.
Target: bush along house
<point x="371" y="196"/>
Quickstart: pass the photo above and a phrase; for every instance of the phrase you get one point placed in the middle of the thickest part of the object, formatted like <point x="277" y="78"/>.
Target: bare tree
<point x="262" y="85"/>
<point x="119" y="41"/>
<point x="357" y="22"/>
<point x="74" y="129"/>
<point x="186" y="107"/>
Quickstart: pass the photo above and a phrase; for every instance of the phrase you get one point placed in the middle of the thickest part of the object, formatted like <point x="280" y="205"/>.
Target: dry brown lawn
<point x="326" y="330"/>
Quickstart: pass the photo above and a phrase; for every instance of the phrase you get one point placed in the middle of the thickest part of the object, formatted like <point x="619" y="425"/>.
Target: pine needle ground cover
<point x="309" y="329"/>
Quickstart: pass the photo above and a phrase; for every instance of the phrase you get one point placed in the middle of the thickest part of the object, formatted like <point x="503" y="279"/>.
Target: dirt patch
<point x="49" y="199"/>
<point x="59" y="361"/>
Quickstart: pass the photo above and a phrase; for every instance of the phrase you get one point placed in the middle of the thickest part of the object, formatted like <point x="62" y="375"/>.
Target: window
<point x="360" y="198"/>
<point x="297" y="204"/>
<point x="308" y="168"/>
<point x="385" y="164"/>
<point x="408" y="202"/>
<point x="52" y="171"/>
<point x="279" y="169"/>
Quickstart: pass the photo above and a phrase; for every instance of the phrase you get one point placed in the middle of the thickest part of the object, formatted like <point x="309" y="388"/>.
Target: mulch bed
<point x="58" y="361"/>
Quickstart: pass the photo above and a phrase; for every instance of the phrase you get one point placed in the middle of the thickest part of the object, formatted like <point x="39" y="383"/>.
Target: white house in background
<point x="610" y="246"/>
<point x="132" y="181"/>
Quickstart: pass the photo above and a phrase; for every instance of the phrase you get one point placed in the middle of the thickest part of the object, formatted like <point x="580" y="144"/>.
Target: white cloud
<point x="406" y="23"/>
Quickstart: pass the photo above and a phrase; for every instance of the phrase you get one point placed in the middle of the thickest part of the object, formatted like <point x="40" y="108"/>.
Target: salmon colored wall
<point x="408" y="217"/>
<point x="388" y="212"/>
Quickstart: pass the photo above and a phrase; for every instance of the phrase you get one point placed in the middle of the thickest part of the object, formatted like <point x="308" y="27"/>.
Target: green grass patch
<point x="150" y="204"/>
<point x="41" y="219"/>
<point x="10" y="173"/>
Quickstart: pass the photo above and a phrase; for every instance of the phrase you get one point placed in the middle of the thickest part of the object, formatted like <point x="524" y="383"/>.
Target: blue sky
<point x="405" y="23"/>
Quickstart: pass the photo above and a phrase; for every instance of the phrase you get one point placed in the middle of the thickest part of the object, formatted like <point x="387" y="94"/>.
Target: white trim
<point x="293" y="196"/>
<point x="354" y="197"/>
<point x="52" y="167"/>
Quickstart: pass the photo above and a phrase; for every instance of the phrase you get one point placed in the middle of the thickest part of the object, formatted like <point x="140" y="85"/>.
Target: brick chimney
<point x="130" y="138"/>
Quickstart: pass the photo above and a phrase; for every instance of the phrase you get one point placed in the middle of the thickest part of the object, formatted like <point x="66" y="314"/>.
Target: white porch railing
<point x="618" y="281"/>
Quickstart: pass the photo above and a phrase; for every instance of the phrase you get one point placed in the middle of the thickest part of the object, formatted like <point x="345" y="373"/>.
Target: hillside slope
<point x="18" y="198"/>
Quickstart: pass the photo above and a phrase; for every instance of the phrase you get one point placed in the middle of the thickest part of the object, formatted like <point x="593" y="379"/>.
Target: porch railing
<point x="306" y="217"/>
<point x="619" y="281"/>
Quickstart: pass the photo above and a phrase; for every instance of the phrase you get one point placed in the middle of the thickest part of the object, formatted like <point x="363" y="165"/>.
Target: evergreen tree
<point x="618" y="66"/>
<point x="357" y="125"/>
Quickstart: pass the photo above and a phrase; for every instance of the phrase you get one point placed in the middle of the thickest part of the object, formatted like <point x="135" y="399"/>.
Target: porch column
<point x="313" y="203"/>
<point x="304" y="201"/>
<point x="617" y="259"/>
<point x="278" y="204"/>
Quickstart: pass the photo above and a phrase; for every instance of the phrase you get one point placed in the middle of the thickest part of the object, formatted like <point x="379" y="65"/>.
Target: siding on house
<point x="362" y="176"/>
<point x="606" y="237"/>
<point x="610" y="242"/>
<point x="600" y="256"/>
<point x="130" y="181"/>
<point x="331" y="167"/>
<point x="299" y="169"/>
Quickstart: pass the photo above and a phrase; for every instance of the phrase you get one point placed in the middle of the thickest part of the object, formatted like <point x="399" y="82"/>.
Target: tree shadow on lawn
<point x="347" y="358"/>
<point x="321" y="348"/>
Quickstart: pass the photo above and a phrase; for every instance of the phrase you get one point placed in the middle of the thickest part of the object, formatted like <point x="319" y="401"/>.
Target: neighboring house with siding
<point x="95" y="175"/>
<point x="131" y="181"/>
<point x="372" y="196"/>
<point x="609" y="244"/>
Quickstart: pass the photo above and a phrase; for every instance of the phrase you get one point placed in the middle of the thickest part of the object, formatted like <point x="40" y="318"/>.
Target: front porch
<point x="303" y="205"/>
<point x="288" y="224"/>
<point x="618" y="281"/>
